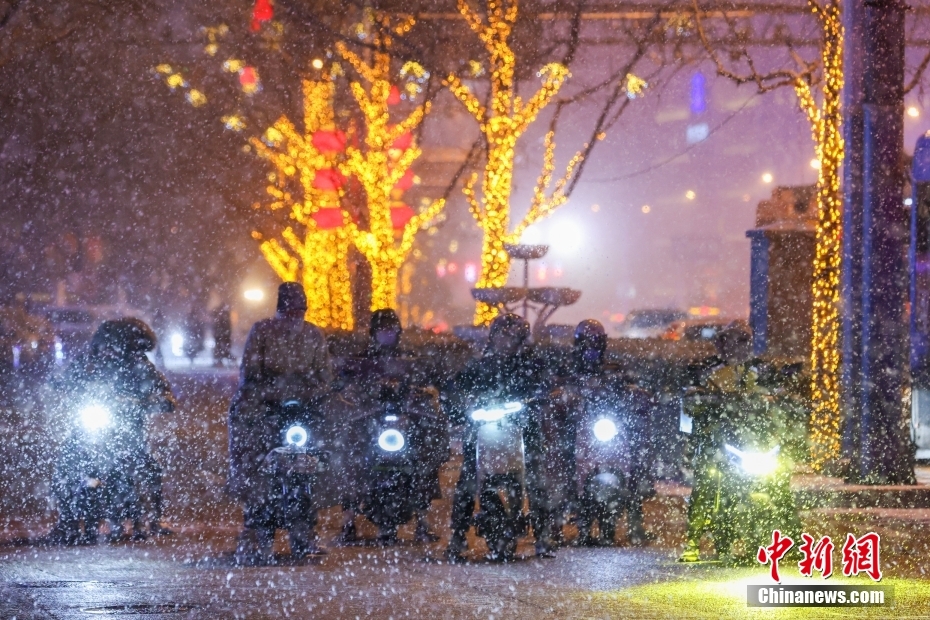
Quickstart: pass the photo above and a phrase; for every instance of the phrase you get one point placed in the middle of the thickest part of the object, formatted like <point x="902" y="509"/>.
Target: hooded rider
<point x="590" y="376"/>
<point x="386" y="369"/>
<point x="739" y="397"/>
<point x="285" y="357"/>
<point x="508" y="369"/>
<point x="115" y="362"/>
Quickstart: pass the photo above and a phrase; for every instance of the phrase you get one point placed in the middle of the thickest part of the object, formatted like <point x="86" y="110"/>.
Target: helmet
<point x="590" y="334"/>
<point x="511" y="323"/>
<point x="126" y="335"/>
<point x="383" y="320"/>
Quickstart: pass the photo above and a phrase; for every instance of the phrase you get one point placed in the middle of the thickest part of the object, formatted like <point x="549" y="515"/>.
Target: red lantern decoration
<point x="248" y="80"/>
<point x="404" y="142"/>
<point x="328" y="218"/>
<point x="406" y="181"/>
<point x="393" y="95"/>
<point x="262" y="12"/>
<point x="328" y="141"/>
<point x="328" y="179"/>
<point x="400" y="215"/>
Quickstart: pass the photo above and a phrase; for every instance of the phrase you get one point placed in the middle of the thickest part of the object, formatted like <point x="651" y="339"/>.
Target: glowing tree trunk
<point x="825" y="123"/>
<point x="318" y="262"/>
<point x="502" y="124"/>
<point x="379" y="165"/>
<point x="315" y="248"/>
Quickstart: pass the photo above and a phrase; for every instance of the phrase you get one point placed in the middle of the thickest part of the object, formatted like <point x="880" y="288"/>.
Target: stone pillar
<point x="885" y="454"/>
<point x="781" y="274"/>
<point x="851" y="266"/>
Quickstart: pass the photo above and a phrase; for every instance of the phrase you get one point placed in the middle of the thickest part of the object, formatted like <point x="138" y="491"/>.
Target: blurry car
<point x="653" y="323"/>
<point x="26" y="341"/>
<point x="75" y="325"/>
<point x="695" y="329"/>
<point x="702" y="329"/>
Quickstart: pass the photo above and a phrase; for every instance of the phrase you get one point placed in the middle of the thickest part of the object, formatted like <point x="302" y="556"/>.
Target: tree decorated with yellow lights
<point x="313" y="248"/>
<point x="380" y="162"/>
<point x="313" y="244"/>
<point x="308" y="177"/>
<point x="825" y="122"/>
<point x="826" y="76"/>
<point x="502" y="122"/>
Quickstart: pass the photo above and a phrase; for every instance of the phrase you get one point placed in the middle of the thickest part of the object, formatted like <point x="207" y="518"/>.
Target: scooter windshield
<point x="495" y="413"/>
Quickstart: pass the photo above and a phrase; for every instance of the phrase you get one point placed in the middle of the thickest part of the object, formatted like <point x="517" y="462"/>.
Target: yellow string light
<point x="315" y="257"/>
<point x="379" y="167"/>
<point x="635" y="86"/>
<point x="825" y="124"/>
<point x="196" y="98"/>
<point x="233" y="122"/>
<point x="502" y="124"/>
<point x="213" y="35"/>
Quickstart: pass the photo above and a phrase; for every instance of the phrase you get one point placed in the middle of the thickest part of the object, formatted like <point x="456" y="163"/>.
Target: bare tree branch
<point x="10" y="12"/>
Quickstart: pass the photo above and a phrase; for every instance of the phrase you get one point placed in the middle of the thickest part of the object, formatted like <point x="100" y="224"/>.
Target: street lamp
<point x="254" y="294"/>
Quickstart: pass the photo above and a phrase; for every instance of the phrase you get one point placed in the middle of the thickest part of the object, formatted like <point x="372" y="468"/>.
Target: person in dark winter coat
<point x="222" y="336"/>
<point x="385" y="364"/>
<point x="285" y="357"/>
<point x="744" y="403"/>
<point x="586" y="389"/>
<point x="116" y="366"/>
<point x="193" y="335"/>
<point x="507" y="369"/>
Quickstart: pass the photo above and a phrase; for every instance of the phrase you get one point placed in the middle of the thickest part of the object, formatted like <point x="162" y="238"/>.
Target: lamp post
<point x="884" y="452"/>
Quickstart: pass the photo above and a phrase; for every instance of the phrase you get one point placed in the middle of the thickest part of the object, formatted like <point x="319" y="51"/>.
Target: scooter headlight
<point x="95" y="418"/>
<point x="391" y="440"/>
<point x="493" y="414"/>
<point x="605" y="429"/>
<point x="756" y="463"/>
<point x="296" y="436"/>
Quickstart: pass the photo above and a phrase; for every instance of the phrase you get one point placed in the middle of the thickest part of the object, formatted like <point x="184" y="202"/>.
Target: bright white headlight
<point x="296" y="436"/>
<point x="391" y="440"/>
<point x="756" y="463"/>
<point x="177" y="345"/>
<point x="493" y="414"/>
<point x="605" y="429"/>
<point x="95" y="418"/>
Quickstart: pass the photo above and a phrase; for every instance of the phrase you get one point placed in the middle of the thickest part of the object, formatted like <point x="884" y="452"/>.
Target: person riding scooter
<point x="507" y="372"/>
<point x="606" y="446"/>
<point x="744" y="432"/>
<point x="285" y="359"/>
<point x="385" y="376"/>
<point x="105" y="465"/>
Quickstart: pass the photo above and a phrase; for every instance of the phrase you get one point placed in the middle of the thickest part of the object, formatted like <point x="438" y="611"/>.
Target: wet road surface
<point x="191" y="574"/>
